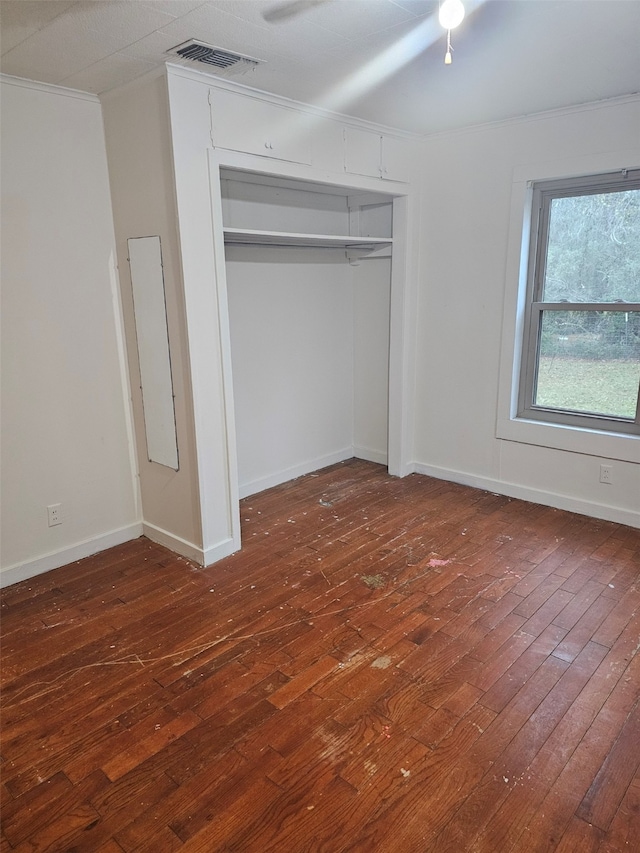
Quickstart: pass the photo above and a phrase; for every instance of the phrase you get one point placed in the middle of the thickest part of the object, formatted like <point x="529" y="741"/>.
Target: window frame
<point x="542" y="195"/>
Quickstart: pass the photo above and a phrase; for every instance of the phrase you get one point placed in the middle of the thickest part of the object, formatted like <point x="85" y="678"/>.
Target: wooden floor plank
<point x="581" y="836"/>
<point x="388" y="665"/>
<point x="624" y="831"/>
<point x="602" y="800"/>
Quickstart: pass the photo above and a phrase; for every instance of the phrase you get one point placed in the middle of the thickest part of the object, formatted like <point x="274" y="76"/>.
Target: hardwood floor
<point x="388" y="665"/>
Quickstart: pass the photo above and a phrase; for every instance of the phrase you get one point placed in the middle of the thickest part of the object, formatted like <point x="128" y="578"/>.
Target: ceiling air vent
<point x="198" y="51"/>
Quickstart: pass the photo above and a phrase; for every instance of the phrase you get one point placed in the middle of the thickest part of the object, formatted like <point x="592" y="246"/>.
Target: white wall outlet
<point x="606" y="475"/>
<point x="54" y="514"/>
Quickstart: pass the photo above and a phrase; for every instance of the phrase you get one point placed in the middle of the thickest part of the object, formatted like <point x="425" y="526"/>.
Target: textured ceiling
<point x="380" y="60"/>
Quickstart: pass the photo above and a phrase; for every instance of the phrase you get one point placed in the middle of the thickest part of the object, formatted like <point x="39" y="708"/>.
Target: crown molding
<point x="49" y="88"/>
<point x="543" y="115"/>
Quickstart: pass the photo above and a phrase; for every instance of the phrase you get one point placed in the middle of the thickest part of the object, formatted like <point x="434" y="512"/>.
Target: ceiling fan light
<point x="451" y="14"/>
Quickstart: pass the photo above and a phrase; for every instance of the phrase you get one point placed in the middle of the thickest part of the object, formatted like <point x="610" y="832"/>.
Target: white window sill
<point x="607" y="445"/>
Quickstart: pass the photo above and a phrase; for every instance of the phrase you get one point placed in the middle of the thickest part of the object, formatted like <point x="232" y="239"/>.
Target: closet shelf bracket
<point x="355" y="254"/>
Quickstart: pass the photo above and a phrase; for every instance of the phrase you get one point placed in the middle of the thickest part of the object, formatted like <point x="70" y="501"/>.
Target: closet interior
<point x="308" y="276"/>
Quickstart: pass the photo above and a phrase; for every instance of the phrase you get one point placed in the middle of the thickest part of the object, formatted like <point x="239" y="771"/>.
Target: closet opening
<point x="308" y="284"/>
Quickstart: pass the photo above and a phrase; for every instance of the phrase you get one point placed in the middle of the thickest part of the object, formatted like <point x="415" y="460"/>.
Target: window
<point x="581" y="348"/>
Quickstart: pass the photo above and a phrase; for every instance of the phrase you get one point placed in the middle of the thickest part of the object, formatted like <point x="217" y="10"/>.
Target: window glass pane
<point x="589" y="362"/>
<point x="593" y="252"/>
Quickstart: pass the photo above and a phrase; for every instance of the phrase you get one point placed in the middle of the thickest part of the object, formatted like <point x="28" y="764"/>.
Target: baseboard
<point x="173" y="543"/>
<point x="370" y="455"/>
<point x="203" y="557"/>
<point x="219" y="551"/>
<point x="287" y="474"/>
<point x="31" y="568"/>
<point x="524" y="493"/>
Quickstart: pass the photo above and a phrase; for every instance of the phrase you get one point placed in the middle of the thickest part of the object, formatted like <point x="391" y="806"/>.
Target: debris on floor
<point x="372" y="581"/>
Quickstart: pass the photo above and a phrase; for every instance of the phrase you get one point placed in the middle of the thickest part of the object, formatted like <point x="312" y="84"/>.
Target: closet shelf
<point x="249" y="237"/>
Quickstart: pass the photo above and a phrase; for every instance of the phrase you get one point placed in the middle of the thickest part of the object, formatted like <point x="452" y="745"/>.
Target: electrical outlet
<point x="606" y="474"/>
<point x="54" y="514"/>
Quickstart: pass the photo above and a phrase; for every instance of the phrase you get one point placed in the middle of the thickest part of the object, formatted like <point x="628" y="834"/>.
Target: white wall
<point x="371" y="306"/>
<point x="471" y="235"/>
<point x="65" y="410"/>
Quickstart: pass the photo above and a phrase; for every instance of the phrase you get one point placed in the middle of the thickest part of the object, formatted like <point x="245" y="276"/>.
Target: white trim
<point x="219" y="551"/>
<point x="49" y="88"/>
<point x="370" y="455"/>
<point x="187" y="549"/>
<point x="287" y="474"/>
<point x="173" y="543"/>
<point x="508" y="426"/>
<point x="55" y="559"/>
<point x="224" y="336"/>
<point x="201" y="249"/>
<point x="402" y="334"/>
<point x="242" y="161"/>
<point x="624" y="447"/>
<point x="578" y="166"/>
<point x="402" y="320"/>
<point x="525" y="493"/>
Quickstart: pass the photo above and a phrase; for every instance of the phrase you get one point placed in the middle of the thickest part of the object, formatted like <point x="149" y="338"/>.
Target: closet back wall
<point x="291" y="319"/>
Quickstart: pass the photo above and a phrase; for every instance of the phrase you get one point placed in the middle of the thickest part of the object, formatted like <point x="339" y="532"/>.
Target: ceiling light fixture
<point x="450" y="16"/>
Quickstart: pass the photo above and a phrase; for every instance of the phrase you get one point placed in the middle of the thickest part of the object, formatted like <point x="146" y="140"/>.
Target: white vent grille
<point x="198" y="51"/>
